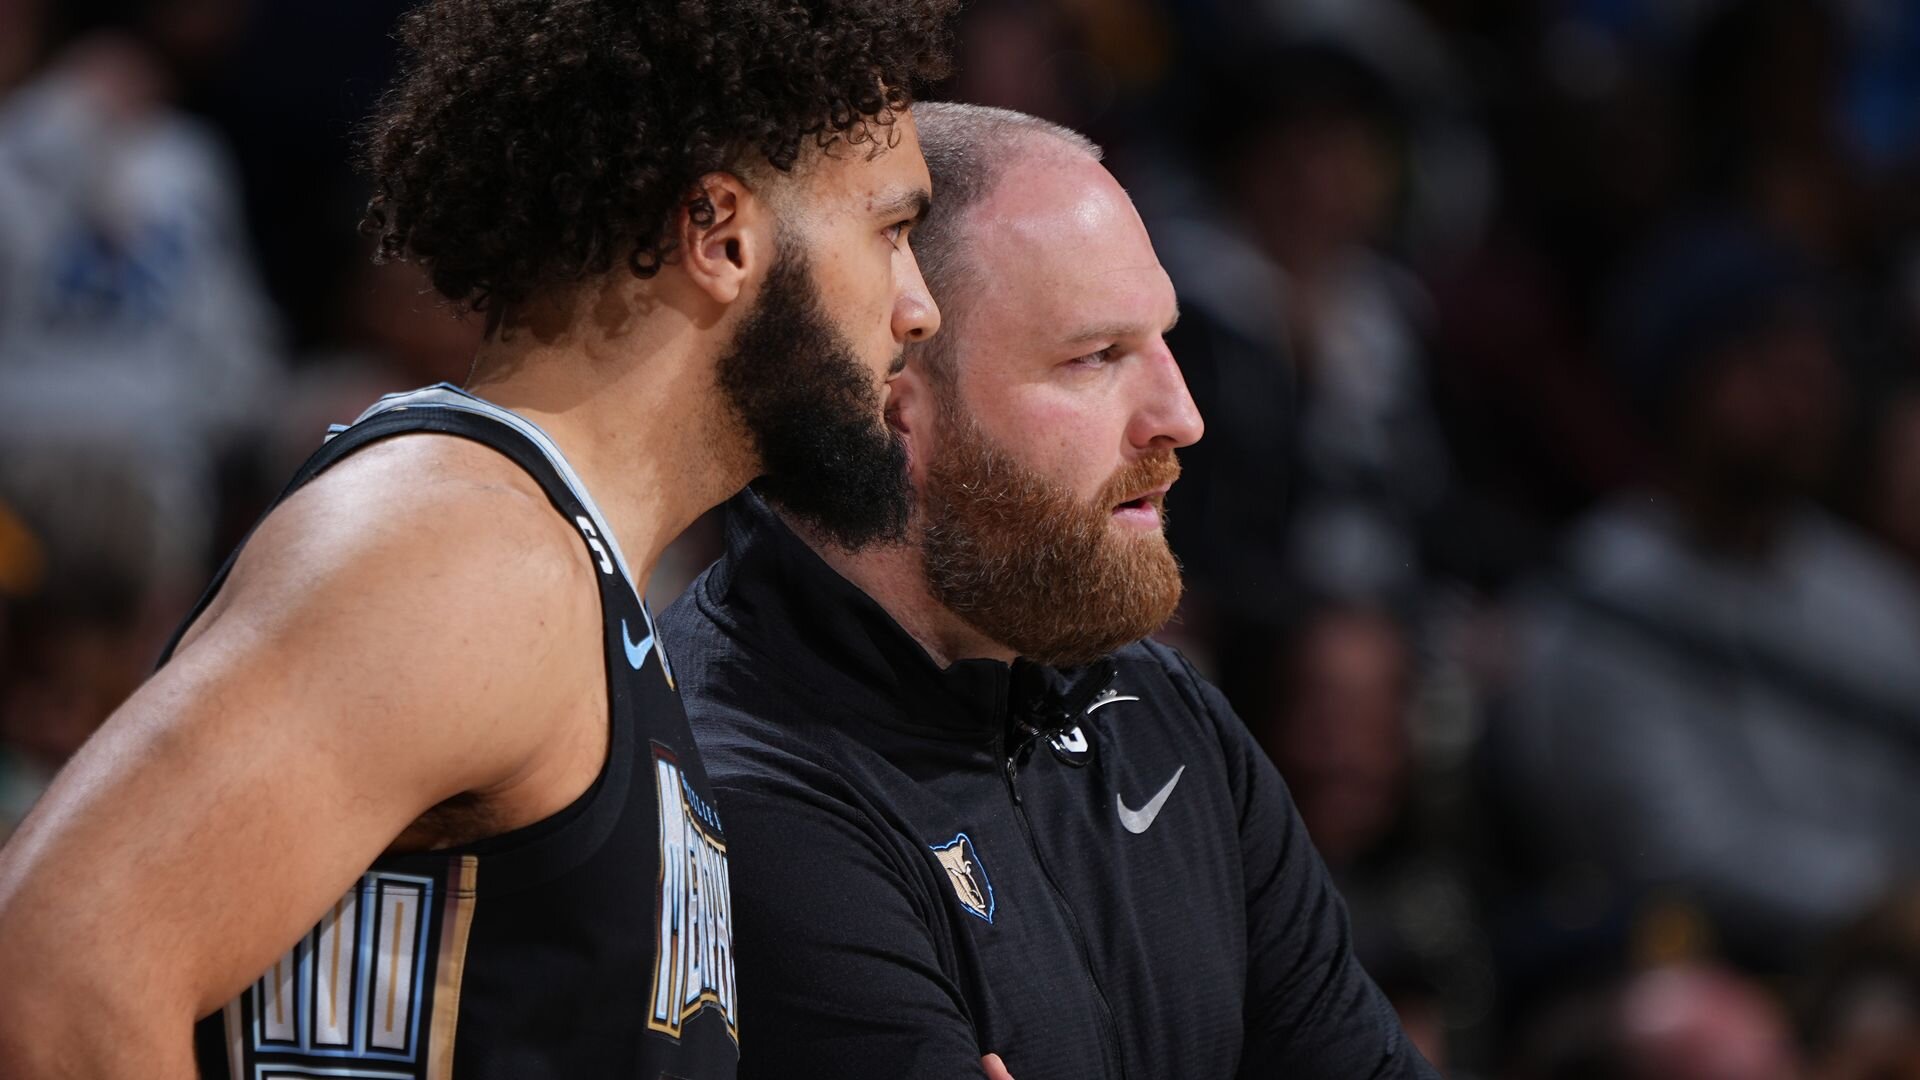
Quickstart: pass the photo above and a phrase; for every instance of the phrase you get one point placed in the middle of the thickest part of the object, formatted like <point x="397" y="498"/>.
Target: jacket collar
<point x="774" y="592"/>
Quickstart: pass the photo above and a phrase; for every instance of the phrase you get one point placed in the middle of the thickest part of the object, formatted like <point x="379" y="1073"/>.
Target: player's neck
<point x="630" y="397"/>
<point x="896" y="578"/>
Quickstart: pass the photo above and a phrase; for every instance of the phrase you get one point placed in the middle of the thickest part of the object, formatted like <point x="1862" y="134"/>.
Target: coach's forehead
<point x="1058" y="236"/>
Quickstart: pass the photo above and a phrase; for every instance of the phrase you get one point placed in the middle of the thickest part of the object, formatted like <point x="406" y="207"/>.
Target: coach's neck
<point x="895" y="576"/>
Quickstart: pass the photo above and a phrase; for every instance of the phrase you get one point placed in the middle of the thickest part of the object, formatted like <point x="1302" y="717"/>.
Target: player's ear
<point x="726" y="236"/>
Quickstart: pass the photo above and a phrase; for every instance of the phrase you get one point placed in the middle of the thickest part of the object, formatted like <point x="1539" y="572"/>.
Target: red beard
<point x="1034" y="568"/>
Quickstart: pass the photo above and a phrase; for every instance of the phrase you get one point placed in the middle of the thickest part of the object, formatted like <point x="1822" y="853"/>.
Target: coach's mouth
<point x="1143" y="510"/>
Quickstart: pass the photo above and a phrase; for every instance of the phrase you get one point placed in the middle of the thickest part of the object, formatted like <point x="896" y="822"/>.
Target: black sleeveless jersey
<point x="595" y="943"/>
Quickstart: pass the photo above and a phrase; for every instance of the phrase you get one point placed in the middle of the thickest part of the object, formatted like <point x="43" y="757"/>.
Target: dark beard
<point x="1030" y="566"/>
<point x="826" y="455"/>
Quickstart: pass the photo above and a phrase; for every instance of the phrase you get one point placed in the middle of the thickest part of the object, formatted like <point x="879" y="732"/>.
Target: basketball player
<point x="413" y="795"/>
<point x="969" y="809"/>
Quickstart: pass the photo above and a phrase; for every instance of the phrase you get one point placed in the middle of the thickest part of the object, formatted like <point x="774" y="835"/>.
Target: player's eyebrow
<point x="912" y="204"/>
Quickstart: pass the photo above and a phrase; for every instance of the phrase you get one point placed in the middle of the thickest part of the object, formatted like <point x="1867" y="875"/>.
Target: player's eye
<point x="898" y="231"/>
<point x="1097" y="359"/>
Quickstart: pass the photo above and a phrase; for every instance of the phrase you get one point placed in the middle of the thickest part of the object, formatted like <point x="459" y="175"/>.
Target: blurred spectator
<point x="22" y="35"/>
<point x="23" y="565"/>
<point x="1339" y="736"/>
<point x="136" y="350"/>
<point x="1082" y="63"/>
<point x="1719" y="694"/>
<point x="1340" y="732"/>
<point x="1318" y="181"/>
<point x="22" y="561"/>
<point x="1762" y="84"/>
<point x="109" y="570"/>
<point x="1227" y="517"/>
<point x="289" y="96"/>
<point x="1337" y="723"/>
<point x="1302" y="343"/>
<point x="1682" y="1022"/>
<point x="129" y="313"/>
<point x="1027" y="56"/>
<point x="1861" y="1012"/>
<point x="1891" y="476"/>
<point x="1699" y="1023"/>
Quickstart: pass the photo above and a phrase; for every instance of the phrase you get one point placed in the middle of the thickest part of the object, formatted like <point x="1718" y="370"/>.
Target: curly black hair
<point x="531" y="143"/>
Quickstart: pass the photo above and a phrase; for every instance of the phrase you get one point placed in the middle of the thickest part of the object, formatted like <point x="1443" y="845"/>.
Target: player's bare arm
<point x="383" y="646"/>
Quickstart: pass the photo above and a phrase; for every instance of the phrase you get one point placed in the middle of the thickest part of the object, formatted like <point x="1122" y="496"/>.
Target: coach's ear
<point x="726" y="237"/>
<point x="910" y="409"/>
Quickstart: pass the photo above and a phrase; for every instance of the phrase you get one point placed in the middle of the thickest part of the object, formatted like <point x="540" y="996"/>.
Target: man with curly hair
<point x="413" y="795"/>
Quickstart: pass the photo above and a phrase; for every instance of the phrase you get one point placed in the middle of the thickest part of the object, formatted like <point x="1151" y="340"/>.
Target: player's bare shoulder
<point x="421" y="514"/>
<point x="427" y="582"/>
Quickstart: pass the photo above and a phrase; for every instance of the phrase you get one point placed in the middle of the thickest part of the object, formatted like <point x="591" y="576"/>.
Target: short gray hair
<point x="968" y="149"/>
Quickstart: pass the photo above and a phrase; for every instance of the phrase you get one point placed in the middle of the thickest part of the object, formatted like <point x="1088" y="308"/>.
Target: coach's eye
<point x="1096" y="359"/>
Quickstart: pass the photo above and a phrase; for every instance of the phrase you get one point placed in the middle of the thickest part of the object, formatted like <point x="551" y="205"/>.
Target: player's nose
<point x="915" y="316"/>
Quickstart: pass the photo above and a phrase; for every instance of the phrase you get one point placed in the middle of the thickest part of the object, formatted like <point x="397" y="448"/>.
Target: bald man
<point x="971" y="809"/>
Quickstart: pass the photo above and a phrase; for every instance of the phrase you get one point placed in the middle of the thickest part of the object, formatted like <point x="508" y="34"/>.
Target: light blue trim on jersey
<point x="284" y="1072"/>
<point x="448" y="396"/>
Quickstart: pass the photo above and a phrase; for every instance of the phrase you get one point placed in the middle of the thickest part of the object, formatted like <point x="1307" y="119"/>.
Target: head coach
<point x="971" y="809"/>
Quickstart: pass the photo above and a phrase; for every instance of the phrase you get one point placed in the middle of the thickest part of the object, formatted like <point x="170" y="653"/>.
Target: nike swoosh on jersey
<point x="636" y="650"/>
<point x="1139" y="821"/>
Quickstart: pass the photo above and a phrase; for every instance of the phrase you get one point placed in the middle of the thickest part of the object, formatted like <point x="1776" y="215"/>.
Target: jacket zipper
<point x="1108" y="1028"/>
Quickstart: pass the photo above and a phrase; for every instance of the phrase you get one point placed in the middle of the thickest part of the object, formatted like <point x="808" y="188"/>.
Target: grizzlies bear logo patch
<point x="967" y="875"/>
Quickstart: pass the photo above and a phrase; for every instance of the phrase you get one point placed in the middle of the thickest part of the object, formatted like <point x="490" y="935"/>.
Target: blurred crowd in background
<point x="1556" y="527"/>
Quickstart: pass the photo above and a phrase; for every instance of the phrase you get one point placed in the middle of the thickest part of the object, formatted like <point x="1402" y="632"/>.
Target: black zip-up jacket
<point x="1093" y="873"/>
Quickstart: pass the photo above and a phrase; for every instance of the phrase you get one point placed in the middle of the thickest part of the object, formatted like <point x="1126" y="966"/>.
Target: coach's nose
<point x="1167" y="418"/>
